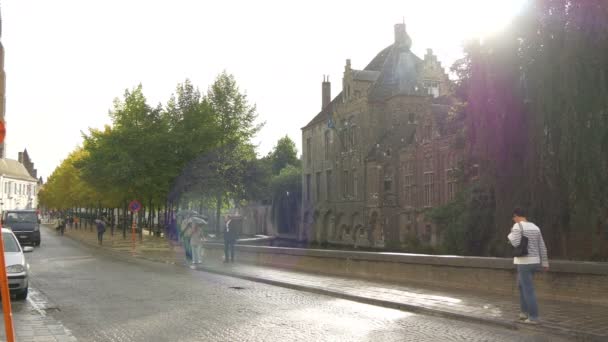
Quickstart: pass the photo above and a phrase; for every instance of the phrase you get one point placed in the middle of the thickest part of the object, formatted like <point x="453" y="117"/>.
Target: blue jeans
<point x="525" y="283"/>
<point x="228" y="251"/>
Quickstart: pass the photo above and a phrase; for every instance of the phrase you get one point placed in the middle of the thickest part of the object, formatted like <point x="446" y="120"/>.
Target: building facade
<point x="378" y="155"/>
<point x="18" y="190"/>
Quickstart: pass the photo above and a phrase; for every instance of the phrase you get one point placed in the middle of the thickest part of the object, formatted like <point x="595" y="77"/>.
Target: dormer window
<point x="432" y="88"/>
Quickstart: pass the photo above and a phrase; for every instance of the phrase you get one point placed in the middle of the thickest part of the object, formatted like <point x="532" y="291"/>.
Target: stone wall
<point x="257" y="220"/>
<point x="584" y="282"/>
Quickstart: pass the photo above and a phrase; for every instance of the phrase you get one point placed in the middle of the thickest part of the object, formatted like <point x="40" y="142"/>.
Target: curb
<point x="578" y="335"/>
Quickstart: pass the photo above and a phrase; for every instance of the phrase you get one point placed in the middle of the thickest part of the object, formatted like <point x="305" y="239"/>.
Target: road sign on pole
<point x="134" y="206"/>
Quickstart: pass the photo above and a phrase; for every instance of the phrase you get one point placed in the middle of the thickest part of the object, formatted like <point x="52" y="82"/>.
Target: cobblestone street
<point x="98" y="296"/>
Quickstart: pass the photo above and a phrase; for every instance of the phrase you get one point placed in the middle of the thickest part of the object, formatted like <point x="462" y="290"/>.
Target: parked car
<point x="16" y="266"/>
<point x="25" y="224"/>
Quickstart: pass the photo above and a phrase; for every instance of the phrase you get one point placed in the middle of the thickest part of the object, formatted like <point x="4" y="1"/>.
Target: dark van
<point x="24" y="224"/>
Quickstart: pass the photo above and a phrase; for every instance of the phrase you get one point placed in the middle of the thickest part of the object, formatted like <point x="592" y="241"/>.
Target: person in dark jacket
<point x="101" y="228"/>
<point x="229" y="240"/>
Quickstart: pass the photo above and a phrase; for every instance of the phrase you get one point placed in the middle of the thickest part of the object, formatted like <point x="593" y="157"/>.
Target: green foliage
<point x="284" y="153"/>
<point x="466" y="222"/>
<point x="203" y="140"/>
<point x="235" y="117"/>
<point x="536" y="99"/>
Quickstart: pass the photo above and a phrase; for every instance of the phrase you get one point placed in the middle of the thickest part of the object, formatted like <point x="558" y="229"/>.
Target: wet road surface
<point x="100" y="297"/>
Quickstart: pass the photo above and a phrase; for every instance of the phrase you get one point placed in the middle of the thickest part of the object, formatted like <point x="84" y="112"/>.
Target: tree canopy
<point x="536" y="109"/>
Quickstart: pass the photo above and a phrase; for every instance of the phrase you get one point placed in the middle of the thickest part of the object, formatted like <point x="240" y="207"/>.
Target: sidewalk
<point x="32" y="323"/>
<point x="150" y="247"/>
<point x="580" y="321"/>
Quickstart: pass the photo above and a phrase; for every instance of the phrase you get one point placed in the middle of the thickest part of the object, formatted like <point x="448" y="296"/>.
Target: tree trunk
<point x="113" y="216"/>
<point x="218" y="210"/>
<point x="124" y="220"/>
<point x="150" y="216"/>
<point x="140" y="221"/>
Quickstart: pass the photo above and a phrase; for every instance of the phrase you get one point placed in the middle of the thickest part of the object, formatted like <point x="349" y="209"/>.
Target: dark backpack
<point x="101" y="227"/>
<point x="521" y="249"/>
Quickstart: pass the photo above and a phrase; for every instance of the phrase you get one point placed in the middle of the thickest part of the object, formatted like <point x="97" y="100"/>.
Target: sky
<point x="66" y="60"/>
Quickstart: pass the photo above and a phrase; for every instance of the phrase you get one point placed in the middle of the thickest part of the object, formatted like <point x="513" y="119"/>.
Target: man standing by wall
<point x="529" y="264"/>
<point x="229" y="240"/>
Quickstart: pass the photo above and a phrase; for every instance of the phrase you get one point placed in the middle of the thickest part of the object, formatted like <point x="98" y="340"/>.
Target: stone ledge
<point x="557" y="266"/>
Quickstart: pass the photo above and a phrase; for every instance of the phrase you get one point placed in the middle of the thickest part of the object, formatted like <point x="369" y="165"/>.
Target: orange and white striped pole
<point x="4" y="291"/>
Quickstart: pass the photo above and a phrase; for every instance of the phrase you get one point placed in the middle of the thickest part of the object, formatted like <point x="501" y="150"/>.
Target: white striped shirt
<point x="537" y="251"/>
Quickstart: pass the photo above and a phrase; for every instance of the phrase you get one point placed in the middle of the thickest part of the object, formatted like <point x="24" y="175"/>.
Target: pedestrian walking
<point x="60" y="226"/>
<point x="185" y="234"/>
<point x="101" y="228"/>
<point x="229" y="240"/>
<point x="529" y="263"/>
<point x="196" y="243"/>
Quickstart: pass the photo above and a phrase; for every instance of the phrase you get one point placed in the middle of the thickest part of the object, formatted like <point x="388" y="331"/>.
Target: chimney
<point x="401" y="36"/>
<point x="325" y="92"/>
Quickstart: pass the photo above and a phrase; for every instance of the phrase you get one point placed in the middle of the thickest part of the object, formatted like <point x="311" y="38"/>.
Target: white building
<point x="18" y="190"/>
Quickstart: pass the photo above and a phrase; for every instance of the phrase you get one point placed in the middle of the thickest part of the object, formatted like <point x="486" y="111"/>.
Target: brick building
<point x="378" y="154"/>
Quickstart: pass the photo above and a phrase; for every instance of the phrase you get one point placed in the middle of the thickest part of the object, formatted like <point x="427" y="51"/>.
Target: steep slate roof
<point x="399" y="74"/>
<point x="366" y="75"/>
<point x="394" y="71"/>
<point x="371" y="70"/>
<point x="324" y="114"/>
<point x="14" y="169"/>
<point x="378" y="61"/>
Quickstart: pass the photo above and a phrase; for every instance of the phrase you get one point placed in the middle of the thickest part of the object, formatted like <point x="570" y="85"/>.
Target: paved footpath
<point x="32" y="322"/>
<point x="578" y="321"/>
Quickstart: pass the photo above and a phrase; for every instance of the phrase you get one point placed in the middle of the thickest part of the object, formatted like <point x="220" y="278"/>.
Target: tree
<point x="536" y="99"/>
<point x="236" y="120"/>
<point x="284" y="153"/>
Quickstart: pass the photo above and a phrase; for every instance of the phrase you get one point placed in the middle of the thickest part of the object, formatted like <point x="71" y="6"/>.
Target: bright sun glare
<point x="481" y="18"/>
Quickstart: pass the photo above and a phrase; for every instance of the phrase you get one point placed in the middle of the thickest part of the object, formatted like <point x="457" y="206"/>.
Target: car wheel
<point x="22" y="295"/>
<point x="37" y="243"/>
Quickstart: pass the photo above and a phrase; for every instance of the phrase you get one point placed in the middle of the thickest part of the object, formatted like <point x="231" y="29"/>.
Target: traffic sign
<point x="134" y="206"/>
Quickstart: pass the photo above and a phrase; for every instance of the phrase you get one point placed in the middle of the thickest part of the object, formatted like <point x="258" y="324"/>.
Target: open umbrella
<point x="186" y="213"/>
<point x="197" y="220"/>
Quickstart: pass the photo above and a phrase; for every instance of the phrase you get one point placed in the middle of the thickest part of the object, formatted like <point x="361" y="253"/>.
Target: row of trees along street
<point x="193" y="152"/>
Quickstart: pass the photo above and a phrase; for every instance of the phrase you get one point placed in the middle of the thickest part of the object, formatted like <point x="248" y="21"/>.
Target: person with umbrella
<point x="196" y="239"/>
